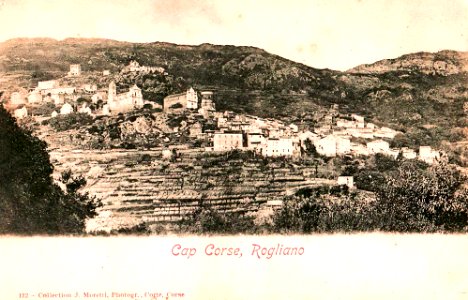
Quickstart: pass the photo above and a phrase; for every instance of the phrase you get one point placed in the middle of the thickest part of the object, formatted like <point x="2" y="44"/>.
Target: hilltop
<point x="444" y="62"/>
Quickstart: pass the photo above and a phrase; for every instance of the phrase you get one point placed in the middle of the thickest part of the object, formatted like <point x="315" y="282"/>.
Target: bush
<point x="411" y="199"/>
<point x="43" y="110"/>
<point x="148" y="106"/>
<point x="298" y="215"/>
<point x="209" y="220"/>
<point x="176" y="105"/>
<point x="70" y="121"/>
<point x="415" y="199"/>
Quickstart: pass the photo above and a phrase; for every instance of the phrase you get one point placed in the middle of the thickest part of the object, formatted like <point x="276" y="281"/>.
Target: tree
<point x="310" y="148"/>
<point x="400" y="140"/>
<point x="176" y="105"/>
<point x="30" y="201"/>
<point x="298" y="214"/>
<point x="415" y="199"/>
<point x="70" y="121"/>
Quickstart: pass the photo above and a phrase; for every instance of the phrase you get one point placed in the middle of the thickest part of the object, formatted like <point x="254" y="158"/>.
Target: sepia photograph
<point x="208" y="149"/>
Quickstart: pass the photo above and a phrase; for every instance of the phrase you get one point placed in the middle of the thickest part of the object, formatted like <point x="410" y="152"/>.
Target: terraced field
<point x="139" y="186"/>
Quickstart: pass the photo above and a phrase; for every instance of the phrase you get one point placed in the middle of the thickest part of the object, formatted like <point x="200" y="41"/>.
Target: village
<point x="334" y="135"/>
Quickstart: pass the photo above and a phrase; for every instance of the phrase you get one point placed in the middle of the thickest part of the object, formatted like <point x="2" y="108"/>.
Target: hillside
<point x="421" y="94"/>
<point x="151" y="167"/>
<point x="441" y="63"/>
<point x="206" y="64"/>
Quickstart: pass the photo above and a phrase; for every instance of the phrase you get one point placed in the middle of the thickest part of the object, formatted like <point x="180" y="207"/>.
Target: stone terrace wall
<point x="138" y="186"/>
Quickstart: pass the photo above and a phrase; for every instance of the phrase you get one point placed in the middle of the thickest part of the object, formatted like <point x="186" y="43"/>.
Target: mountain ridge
<point x="361" y="68"/>
<point x="444" y="62"/>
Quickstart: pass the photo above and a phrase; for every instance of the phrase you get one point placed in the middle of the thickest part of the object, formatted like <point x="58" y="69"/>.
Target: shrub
<point x="43" y="110"/>
<point x="176" y="105"/>
<point x="298" y="215"/>
<point x="70" y="121"/>
<point x="415" y="199"/>
<point x="209" y="220"/>
<point x="148" y="106"/>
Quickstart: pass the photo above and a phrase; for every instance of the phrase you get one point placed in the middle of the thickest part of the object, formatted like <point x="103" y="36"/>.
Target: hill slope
<point x="441" y="63"/>
<point x="421" y="94"/>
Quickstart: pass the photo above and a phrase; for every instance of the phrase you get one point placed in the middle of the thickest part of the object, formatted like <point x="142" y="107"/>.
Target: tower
<point x="192" y="99"/>
<point x="136" y="95"/>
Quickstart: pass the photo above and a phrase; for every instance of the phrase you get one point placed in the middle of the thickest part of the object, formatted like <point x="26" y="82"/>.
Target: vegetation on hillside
<point x="30" y="201"/>
<point x="410" y="199"/>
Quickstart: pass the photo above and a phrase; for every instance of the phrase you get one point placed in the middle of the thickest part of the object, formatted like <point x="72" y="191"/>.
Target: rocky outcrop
<point x="440" y="63"/>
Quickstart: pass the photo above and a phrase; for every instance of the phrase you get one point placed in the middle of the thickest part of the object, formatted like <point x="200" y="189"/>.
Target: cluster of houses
<point x="134" y="66"/>
<point x="106" y="101"/>
<point x="273" y="138"/>
<point x="267" y="137"/>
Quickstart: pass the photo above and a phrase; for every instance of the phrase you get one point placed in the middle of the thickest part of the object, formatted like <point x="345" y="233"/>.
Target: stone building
<point x="195" y="130"/>
<point x="57" y="98"/>
<point x="294" y="128"/>
<point x="378" y="146"/>
<point x="343" y="146"/>
<point x="279" y="147"/>
<point x="332" y="145"/>
<point x="225" y="141"/>
<point x="124" y="102"/>
<point x="408" y="153"/>
<point x="98" y="96"/>
<point x="359" y="149"/>
<point x="187" y="100"/>
<point x="89" y="88"/>
<point x="21" y="113"/>
<point x="357" y="118"/>
<point x="255" y="141"/>
<point x="34" y="97"/>
<point x="66" y="109"/>
<point x="47" y="85"/>
<point x="105" y="110"/>
<point x="308" y="135"/>
<point x="134" y="66"/>
<point x="75" y="70"/>
<point x="326" y="146"/>
<point x="207" y="107"/>
<point x="385" y="132"/>
<point x="428" y="155"/>
<point x="85" y="109"/>
<point x="17" y="98"/>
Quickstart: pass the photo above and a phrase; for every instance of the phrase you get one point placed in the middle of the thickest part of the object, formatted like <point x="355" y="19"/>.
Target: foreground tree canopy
<point x="30" y="201"/>
<point x="411" y="198"/>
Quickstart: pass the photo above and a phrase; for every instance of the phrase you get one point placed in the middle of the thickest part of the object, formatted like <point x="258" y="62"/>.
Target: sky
<point x="338" y="34"/>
